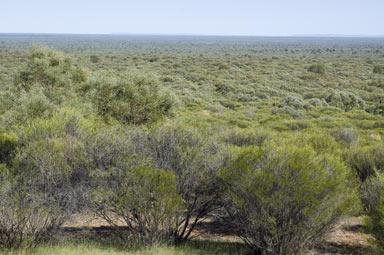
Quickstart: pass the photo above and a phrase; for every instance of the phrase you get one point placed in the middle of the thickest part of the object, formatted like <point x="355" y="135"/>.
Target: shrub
<point x="379" y="69"/>
<point x="94" y="58"/>
<point x="44" y="185"/>
<point x="27" y="215"/>
<point x="131" y="98"/>
<point x="242" y="138"/>
<point x="289" y="110"/>
<point x="316" y="102"/>
<point x="283" y="199"/>
<point x="372" y="193"/>
<point x="345" y="100"/>
<point x="144" y="198"/>
<point x="367" y="161"/>
<point x="317" y="68"/>
<point x="348" y="136"/>
<point x="51" y="69"/>
<point x="296" y="102"/>
<point x="8" y="145"/>
<point x="195" y="159"/>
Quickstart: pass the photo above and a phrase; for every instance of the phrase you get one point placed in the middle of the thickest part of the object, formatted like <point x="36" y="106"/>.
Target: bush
<point x="45" y="184"/>
<point x="283" y="199"/>
<point x="345" y="100"/>
<point x="128" y="187"/>
<point x="317" y="68"/>
<point x="372" y="193"/>
<point x="131" y="98"/>
<point x="8" y="145"/>
<point x="53" y="70"/>
<point x="296" y="102"/>
<point x="94" y="58"/>
<point x="367" y="161"/>
<point x="144" y="198"/>
<point x="348" y="136"/>
<point x="316" y="102"/>
<point x="195" y="159"/>
<point x="379" y="69"/>
<point x="27" y="215"/>
<point x="242" y="138"/>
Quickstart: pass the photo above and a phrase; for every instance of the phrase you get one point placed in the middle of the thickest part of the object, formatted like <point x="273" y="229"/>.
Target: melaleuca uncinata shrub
<point x="372" y="195"/>
<point x="28" y="215"/>
<point x="131" y="98"/>
<point x="366" y="161"/>
<point x="196" y="160"/>
<point x="284" y="198"/>
<point x="143" y="198"/>
<point x="190" y="158"/>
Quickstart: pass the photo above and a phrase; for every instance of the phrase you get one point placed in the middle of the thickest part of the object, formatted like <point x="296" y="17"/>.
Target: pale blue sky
<point x="217" y="17"/>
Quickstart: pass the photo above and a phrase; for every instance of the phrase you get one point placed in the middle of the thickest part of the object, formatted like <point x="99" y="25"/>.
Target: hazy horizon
<point x="216" y="18"/>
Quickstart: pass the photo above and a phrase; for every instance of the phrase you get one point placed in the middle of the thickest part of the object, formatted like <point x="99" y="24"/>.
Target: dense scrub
<point x="284" y="140"/>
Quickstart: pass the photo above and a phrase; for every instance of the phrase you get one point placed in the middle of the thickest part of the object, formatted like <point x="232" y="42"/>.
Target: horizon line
<point x="202" y="35"/>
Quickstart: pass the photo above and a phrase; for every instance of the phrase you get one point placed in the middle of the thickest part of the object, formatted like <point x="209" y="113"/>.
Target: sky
<point x="195" y="17"/>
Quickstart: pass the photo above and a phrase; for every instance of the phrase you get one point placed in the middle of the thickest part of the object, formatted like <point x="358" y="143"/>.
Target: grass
<point x="189" y="248"/>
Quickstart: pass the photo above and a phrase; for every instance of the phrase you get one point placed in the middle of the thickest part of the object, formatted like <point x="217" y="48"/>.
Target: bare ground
<point x="346" y="238"/>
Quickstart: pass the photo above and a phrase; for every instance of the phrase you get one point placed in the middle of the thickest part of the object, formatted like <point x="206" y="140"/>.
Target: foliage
<point x="27" y="215"/>
<point x="379" y="69"/>
<point x="130" y="98"/>
<point x="283" y="198"/>
<point x="144" y="198"/>
<point x="317" y="68"/>
<point x="75" y="128"/>
<point x="372" y="196"/>
<point x="367" y="161"/>
<point x="195" y="160"/>
<point x="8" y="145"/>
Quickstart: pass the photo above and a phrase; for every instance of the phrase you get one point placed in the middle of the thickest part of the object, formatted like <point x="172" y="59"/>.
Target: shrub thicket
<point x="75" y="139"/>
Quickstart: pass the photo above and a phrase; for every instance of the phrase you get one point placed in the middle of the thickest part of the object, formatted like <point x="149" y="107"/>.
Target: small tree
<point x="283" y="199"/>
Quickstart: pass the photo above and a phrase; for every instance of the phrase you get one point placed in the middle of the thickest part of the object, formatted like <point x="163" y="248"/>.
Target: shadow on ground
<point x="216" y="237"/>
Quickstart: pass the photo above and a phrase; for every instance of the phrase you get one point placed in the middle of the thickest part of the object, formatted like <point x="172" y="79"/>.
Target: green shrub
<point x="379" y="69"/>
<point x="51" y="69"/>
<point x="295" y="102"/>
<point x="242" y="138"/>
<point x="372" y="193"/>
<point x="195" y="159"/>
<point x="317" y="68"/>
<point x="145" y="199"/>
<point x="94" y="58"/>
<point x="345" y="100"/>
<point x="367" y="161"/>
<point x="130" y="98"/>
<point x="8" y="145"/>
<point x="27" y="215"/>
<point x="283" y="199"/>
<point x="349" y="136"/>
<point x="316" y="102"/>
